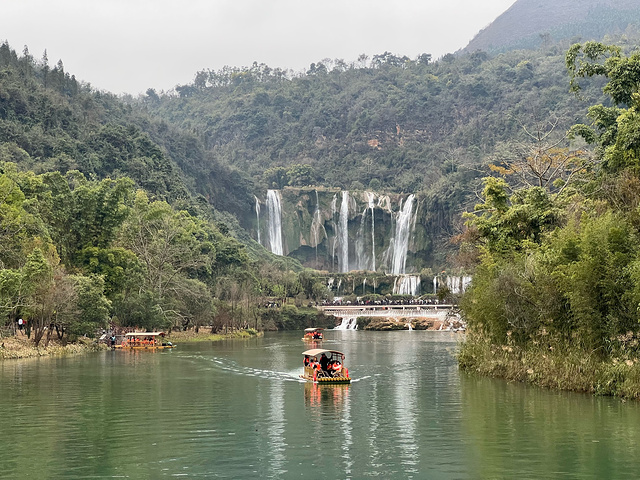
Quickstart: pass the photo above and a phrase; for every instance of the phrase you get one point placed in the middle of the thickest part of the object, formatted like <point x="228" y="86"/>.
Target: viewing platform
<point x="440" y="311"/>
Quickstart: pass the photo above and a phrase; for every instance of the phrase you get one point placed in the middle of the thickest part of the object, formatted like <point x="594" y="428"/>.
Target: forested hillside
<point x="387" y="123"/>
<point x="556" y="292"/>
<point x="98" y="221"/>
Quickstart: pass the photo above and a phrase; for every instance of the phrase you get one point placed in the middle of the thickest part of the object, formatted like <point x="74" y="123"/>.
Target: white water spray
<point x="348" y="323"/>
<point x="406" y="285"/>
<point x="343" y="259"/>
<point x="258" y="217"/>
<point x="401" y="239"/>
<point x="370" y="201"/>
<point x="274" y="210"/>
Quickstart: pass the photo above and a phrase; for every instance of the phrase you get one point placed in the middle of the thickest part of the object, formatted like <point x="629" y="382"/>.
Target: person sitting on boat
<point x="337" y="368"/>
<point x="306" y="361"/>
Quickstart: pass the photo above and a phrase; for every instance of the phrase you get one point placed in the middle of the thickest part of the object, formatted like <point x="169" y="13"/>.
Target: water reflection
<point x="329" y="407"/>
<point x="517" y="429"/>
<point x="238" y="410"/>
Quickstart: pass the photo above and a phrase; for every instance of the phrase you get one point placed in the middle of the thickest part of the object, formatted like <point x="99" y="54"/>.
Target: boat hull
<point x="160" y="347"/>
<point x="327" y="380"/>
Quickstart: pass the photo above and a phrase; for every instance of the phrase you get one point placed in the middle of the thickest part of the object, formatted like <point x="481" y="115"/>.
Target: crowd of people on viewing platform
<point x="337" y="302"/>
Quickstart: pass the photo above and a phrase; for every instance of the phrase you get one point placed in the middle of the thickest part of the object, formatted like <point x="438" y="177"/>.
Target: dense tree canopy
<point x="564" y="264"/>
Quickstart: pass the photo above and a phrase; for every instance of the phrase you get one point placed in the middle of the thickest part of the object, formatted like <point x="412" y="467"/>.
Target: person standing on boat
<point x="324" y="362"/>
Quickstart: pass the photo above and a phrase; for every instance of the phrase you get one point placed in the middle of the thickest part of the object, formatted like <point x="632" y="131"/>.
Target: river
<point x="237" y="409"/>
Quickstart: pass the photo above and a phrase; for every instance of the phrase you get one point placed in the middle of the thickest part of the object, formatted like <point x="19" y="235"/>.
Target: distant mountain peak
<point x="528" y="23"/>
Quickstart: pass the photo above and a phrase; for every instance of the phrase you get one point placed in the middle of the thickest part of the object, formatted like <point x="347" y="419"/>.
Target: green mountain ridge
<point x="532" y="23"/>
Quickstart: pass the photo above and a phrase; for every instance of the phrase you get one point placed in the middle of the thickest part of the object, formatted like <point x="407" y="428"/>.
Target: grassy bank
<point x="553" y="364"/>
<point x="205" y="335"/>
<point x="20" y="346"/>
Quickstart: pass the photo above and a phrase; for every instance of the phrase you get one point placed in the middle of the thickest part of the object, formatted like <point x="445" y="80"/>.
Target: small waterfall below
<point x="435" y="285"/>
<point x="457" y="285"/>
<point x="258" y="217"/>
<point x="343" y="231"/>
<point x="348" y="323"/>
<point x="402" y="235"/>
<point x="364" y="286"/>
<point x="406" y="285"/>
<point x="274" y="210"/>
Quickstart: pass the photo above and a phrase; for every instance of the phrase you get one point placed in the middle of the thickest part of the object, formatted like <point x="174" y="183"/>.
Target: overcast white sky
<point x="127" y="46"/>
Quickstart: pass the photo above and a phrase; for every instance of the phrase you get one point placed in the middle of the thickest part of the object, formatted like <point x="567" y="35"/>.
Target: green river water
<point x="237" y="409"/>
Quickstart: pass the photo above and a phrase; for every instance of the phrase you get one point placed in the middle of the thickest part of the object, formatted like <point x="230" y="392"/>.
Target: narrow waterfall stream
<point x="258" y="217"/>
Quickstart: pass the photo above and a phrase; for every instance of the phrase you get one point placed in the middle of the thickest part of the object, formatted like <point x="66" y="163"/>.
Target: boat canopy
<point x="319" y="351"/>
<point x="313" y="329"/>
<point x="143" y="334"/>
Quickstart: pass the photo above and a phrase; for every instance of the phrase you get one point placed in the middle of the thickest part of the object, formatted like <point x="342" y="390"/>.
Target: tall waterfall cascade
<point x="343" y="233"/>
<point x="258" y="216"/>
<point x="318" y="232"/>
<point x="404" y="223"/>
<point x="370" y="202"/>
<point x="274" y="210"/>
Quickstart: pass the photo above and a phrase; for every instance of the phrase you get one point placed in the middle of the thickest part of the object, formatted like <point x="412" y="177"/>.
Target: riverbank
<point x="552" y="364"/>
<point x="205" y="335"/>
<point x="19" y="346"/>
<point x="384" y="324"/>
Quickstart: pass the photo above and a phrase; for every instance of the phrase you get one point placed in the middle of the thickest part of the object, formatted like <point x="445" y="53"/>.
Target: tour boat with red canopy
<point x="324" y="366"/>
<point x="313" y="334"/>
<point x="144" y="341"/>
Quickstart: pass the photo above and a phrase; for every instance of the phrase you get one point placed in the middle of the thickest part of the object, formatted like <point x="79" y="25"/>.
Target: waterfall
<point x="401" y="239"/>
<point x="361" y="256"/>
<point x="343" y="259"/>
<point x="317" y="226"/>
<point x="458" y="285"/>
<point x="435" y="285"/>
<point x="365" y="256"/>
<point x="258" y="217"/>
<point x="371" y="197"/>
<point x="348" y="323"/>
<point x="364" y="286"/>
<point x="334" y="203"/>
<point x="406" y="285"/>
<point x="274" y="210"/>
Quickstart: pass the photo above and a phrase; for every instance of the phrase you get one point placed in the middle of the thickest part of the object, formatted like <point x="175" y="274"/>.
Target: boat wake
<point x="232" y="367"/>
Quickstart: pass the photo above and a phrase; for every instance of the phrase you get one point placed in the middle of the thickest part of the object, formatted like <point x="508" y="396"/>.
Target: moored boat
<point x="313" y="335"/>
<point x="144" y="341"/>
<point x="325" y="366"/>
